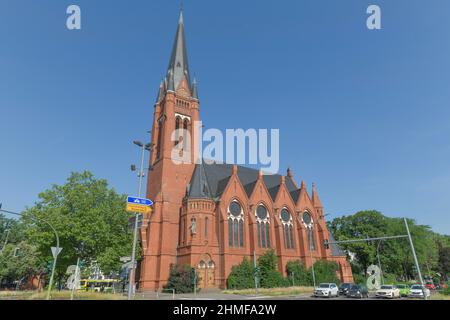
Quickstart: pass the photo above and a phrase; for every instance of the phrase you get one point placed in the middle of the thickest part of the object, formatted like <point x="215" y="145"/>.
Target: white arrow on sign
<point x="125" y="259"/>
<point x="56" y="252"/>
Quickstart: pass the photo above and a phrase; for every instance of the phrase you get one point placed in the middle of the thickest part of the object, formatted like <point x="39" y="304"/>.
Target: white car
<point x="327" y="290"/>
<point x="388" y="291"/>
<point x="417" y="291"/>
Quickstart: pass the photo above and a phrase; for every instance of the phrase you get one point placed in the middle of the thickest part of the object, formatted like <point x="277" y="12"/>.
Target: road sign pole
<point x="53" y="272"/>
<point x="133" y="255"/>
<point x="256" y="272"/>
<point x="415" y="258"/>
<point x="312" y="259"/>
<point x="76" y="279"/>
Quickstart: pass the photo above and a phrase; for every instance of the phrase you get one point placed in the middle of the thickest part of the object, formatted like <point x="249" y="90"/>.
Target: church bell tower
<point x="175" y="112"/>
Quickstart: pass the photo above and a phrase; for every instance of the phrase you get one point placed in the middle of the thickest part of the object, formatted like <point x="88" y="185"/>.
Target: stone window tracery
<point x="263" y="226"/>
<point x="309" y="225"/>
<point x="235" y="225"/>
<point x="288" y="228"/>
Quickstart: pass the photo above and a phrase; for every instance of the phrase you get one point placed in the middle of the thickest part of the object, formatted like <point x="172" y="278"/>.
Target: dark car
<point x="358" y="291"/>
<point x="343" y="288"/>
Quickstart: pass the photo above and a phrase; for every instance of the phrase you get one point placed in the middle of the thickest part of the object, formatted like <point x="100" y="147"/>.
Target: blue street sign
<point x="140" y="201"/>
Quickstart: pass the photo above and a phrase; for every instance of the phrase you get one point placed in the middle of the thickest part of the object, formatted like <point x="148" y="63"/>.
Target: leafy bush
<point x="389" y="278"/>
<point x="270" y="277"/>
<point x="326" y="271"/>
<point x="181" y="279"/>
<point x="297" y="270"/>
<point x="359" y="279"/>
<point x="446" y="291"/>
<point x="241" y="276"/>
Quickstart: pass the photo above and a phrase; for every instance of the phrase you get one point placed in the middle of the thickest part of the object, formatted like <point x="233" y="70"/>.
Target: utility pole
<point x="6" y="241"/>
<point x="148" y="147"/>
<point x="415" y="258"/>
<point x="7" y="234"/>
<point x="312" y="259"/>
<point x="195" y="283"/>
<point x="379" y="262"/>
<point x="255" y="272"/>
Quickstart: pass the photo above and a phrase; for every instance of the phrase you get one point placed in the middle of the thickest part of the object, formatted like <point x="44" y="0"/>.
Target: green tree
<point x="90" y="219"/>
<point x="182" y="279"/>
<point x="326" y="271"/>
<point x="444" y="261"/>
<point x="10" y="228"/>
<point x="270" y="277"/>
<point x="395" y="255"/>
<point x="18" y="262"/>
<point x="241" y="276"/>
<point x="302" y="276"/>
<point x="363" y="224"/>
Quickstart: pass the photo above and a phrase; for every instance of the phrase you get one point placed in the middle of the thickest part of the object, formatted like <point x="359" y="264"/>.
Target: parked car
<point x="405" y="290"/>
<point x="430" y="286"/>
<point x="388" y="291"/>
<point x="358" y="291"/>
<point x="417" y="291"/>
<point x="344" y="288"/>
<point x="327" y="290"/>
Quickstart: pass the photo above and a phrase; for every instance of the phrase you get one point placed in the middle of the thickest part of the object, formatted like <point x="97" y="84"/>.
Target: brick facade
<point x="186" y="228"/>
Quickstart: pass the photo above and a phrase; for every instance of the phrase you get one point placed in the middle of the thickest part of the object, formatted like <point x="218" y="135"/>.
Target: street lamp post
<point x="379" y="262"/>
<point x="312" y="259"/>
<point x="141" y="174"/>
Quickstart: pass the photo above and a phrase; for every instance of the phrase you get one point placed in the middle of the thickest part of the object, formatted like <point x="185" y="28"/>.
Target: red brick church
<point x="211" y="216"/>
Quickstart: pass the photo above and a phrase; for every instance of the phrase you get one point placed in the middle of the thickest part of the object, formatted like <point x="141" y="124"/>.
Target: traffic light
<point x="326" y="244"/>
<point x="49" y="266"/>
<point x="256" y="271"/>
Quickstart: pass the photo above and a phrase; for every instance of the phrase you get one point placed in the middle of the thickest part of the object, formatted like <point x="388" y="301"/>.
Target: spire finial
<point x="180" y="21"/>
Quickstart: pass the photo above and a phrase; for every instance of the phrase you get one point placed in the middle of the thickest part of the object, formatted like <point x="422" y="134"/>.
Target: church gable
<point x="261" y="195"/>
<point x="234" y="190"/>
<point x="284" y="196"/>
<point x="304" y="202"/>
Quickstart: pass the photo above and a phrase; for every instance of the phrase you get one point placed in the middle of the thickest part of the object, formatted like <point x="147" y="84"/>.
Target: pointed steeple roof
<point x="199" y="187"/>
<point x="178" y="64"/>
<point x="194" y="89"/>
<point x="315" y="198"/>
<point x="160" y="92"/>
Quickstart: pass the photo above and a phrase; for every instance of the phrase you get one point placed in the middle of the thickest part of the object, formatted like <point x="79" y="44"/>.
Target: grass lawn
<point x="58" y="295"/>
<point x="439" y="296"/>
<point x="273" y="291"/>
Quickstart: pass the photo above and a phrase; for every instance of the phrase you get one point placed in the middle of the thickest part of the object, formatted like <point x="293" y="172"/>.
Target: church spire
<point x="178" y="64"/>
<point x="315" y="198"/>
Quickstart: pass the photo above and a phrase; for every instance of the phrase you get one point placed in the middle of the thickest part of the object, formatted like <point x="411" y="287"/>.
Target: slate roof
<point x="217" y="177"/>
<point x="178" y="63"/>
<point x="336" y="251"/>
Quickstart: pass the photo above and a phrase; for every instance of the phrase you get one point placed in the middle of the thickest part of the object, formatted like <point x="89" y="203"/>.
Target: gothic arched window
<point x="185" y="131"/>
<point x="263" y="226"/>
<point x="309" y="225"/>
<point x="288" y="228"/>
<point x="160" y="133"/>
<point x="177" y="130"/>
<point x="235" y="225"/>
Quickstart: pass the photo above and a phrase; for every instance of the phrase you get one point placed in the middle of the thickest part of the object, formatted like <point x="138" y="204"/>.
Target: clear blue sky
<point x="363" y="114"/>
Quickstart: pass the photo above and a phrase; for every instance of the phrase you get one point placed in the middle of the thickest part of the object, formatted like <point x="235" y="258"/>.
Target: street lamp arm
<point x="37" y="219"/>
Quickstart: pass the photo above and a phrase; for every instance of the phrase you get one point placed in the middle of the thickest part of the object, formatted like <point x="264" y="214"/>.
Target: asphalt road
<point x="220" y="296"/>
